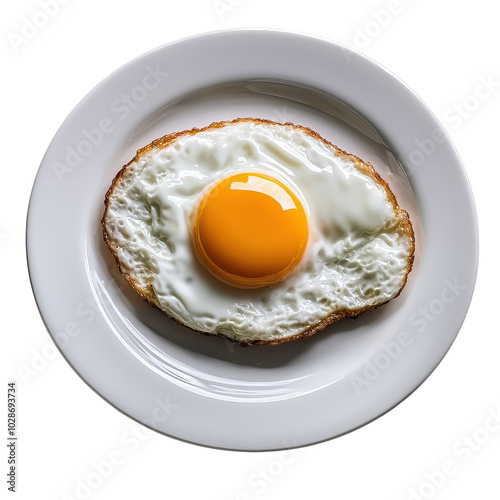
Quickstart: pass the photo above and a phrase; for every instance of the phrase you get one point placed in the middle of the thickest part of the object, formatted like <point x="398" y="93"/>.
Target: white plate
<point x="206" y="390"/>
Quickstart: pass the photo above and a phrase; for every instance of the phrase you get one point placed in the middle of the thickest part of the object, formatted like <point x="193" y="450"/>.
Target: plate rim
<point x="254" y="31"/>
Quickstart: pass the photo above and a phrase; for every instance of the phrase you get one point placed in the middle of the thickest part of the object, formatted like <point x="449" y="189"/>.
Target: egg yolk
<point x="250" y="230"/>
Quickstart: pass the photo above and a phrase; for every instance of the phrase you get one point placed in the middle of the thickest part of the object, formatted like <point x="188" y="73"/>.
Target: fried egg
<point x="256" y="231"/>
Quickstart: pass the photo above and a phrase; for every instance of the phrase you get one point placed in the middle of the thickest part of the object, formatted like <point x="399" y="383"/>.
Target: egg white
<point x="357" y="255"/>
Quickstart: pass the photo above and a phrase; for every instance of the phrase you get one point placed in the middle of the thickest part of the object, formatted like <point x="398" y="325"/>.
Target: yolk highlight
<point x="250" y="230"/>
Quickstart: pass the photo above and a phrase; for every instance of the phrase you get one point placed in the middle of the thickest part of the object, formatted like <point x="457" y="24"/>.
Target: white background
<point x="443" y="51"/>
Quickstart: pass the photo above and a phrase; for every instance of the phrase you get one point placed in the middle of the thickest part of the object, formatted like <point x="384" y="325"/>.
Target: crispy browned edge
<point x="363" y="166"/>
